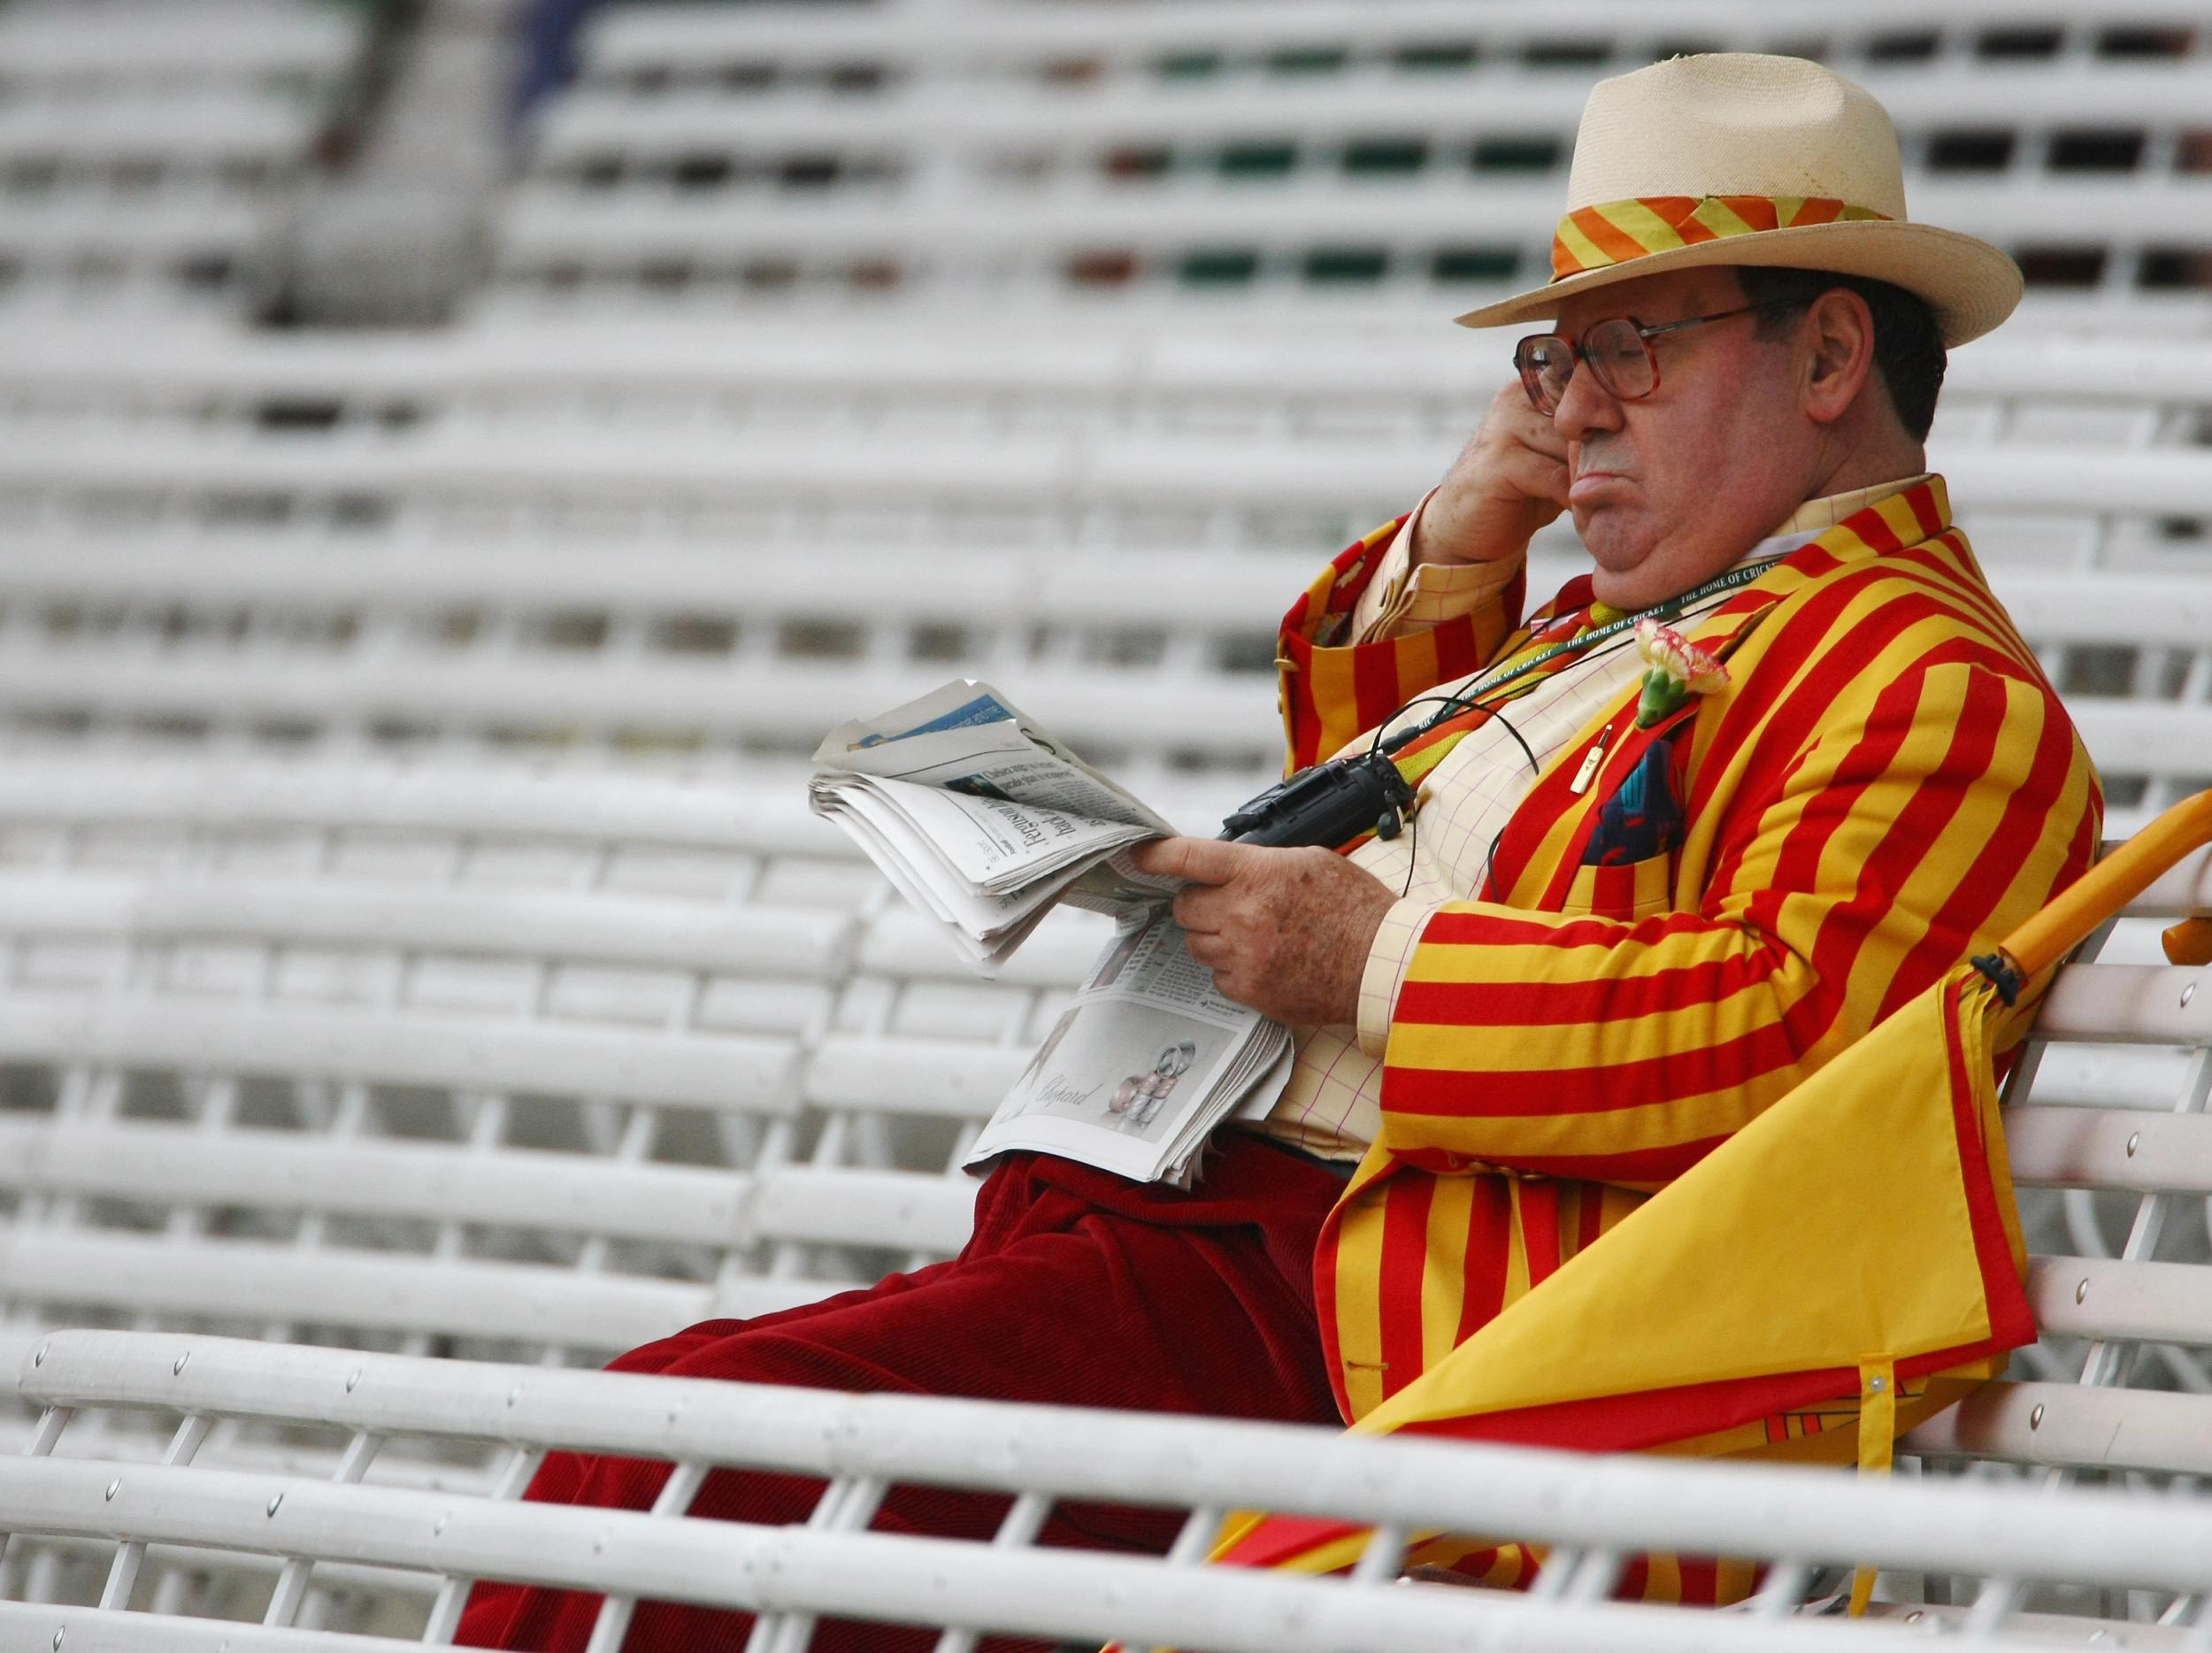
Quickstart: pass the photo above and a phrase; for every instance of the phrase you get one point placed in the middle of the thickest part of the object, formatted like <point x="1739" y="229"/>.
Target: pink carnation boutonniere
<point x="1675" y="668"/>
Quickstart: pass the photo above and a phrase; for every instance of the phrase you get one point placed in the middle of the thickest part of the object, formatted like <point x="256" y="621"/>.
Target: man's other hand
<point x="1283" y="931"/>
<point x="1509" y="481"/>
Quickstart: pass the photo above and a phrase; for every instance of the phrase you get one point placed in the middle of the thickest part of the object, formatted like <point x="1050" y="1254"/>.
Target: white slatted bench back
<point x="2126" y="645"/>
<point x="202" y="128"/>
<point x="677" y="43"/>
<point x="1047" y="552"/>
<point x="1254" y="363"/>
<point x="321" y="1218"/>
<point x="164" y="137"/>
<point x="1124" y="232"/>
<point x="175" y="471"/>
<point x="1244" y="439"/>
<point x="220" y="415"/>
<point x="495" y="1073"/>
<point x="280" y="1100"/>
<point x="155" y="44"/>
<point x="1593" y="1512"/>
<point x="605" y="120"/>
<point x="902" y="1064"/>
<point x="176" y="800"/>
<point x="1085" y="409"/>
<point x="2109" y="1137"/>
<point x="410" y="642"/>
<point x="1024" y="151"/>
<point x="578" y="928"/>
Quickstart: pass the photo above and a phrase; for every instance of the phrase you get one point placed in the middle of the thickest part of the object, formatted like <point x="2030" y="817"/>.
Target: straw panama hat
<point x="1738" y="158"/>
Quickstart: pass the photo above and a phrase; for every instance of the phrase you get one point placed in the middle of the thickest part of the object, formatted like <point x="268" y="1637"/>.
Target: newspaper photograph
<point x="1137" y="1072"/>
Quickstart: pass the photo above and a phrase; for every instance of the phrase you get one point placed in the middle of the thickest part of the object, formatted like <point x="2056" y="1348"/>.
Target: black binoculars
<point x="1326" y="805"/>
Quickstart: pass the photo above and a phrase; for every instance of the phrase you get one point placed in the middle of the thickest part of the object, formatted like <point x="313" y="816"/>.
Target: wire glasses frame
<point x="1619" y="351"/>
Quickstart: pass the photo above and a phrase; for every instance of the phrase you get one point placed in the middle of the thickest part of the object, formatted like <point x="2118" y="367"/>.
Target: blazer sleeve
<point x="1332" y="688"/>
<point x="1915" y="825"/>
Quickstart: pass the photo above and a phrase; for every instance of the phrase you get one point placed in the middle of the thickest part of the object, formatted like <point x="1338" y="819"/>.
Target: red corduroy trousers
<point x="1078" y="1288"/>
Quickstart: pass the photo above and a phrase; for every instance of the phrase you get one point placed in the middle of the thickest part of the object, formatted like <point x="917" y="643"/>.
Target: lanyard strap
<point x="1742" y="575"/>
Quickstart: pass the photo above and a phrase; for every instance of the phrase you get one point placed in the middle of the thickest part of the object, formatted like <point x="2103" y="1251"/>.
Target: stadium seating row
<point x="1389" y="148"/>
<point x="647" y="1032"/>
<point x="1403" y="147"/>
<point x="502" y="1067"/>
<point x="617" y="536"/>
<point x="408" y="688"/>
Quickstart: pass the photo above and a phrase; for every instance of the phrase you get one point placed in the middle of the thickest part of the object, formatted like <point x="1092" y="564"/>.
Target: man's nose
<point x="1585" y="406"/>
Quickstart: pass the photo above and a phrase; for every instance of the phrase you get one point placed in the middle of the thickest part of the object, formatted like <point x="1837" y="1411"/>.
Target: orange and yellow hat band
<point x="1591" y="237"/>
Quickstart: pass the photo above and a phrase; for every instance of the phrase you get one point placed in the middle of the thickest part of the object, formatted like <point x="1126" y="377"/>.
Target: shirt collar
<point x="1815" y="516"/>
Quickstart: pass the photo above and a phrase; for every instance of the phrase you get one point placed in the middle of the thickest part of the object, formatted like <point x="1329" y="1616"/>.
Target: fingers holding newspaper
<point x="985" y="823"/>
<point x="1285" y="931"/>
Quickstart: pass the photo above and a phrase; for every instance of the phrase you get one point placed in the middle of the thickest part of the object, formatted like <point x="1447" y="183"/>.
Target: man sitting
<point x="1622" y="923"/>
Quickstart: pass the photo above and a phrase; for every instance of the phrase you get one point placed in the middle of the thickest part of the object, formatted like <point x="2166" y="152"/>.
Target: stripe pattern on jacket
<point x="1886" y="784"/>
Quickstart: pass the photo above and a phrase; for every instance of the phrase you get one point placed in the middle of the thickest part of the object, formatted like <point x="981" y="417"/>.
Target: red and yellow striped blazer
<point x="1887" y="784"/>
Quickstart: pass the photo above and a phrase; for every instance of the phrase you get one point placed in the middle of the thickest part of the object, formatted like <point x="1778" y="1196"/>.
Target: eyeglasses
<point x="1619" y="351"/>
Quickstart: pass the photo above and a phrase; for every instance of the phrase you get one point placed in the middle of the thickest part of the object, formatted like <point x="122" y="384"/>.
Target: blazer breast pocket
<point x="1623" y="889"/>
<point x="1643" y="817"/>
<point x="1627" y="865"/>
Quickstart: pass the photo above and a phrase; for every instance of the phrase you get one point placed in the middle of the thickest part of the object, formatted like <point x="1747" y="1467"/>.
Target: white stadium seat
<point x="145" y="148"/>
<point x="548" y="1061"/>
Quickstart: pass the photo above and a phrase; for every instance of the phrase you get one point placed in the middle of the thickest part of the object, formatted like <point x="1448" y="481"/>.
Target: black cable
<point x="1672" y="611"/>
<point x="1412" y="819"/>
<point x="1375" y="741"/>
<point x="1330" y="802"/>
<point x="1405" y="735"/>
<point x="1454" y="705"/>
<point x="1527" y="751"/>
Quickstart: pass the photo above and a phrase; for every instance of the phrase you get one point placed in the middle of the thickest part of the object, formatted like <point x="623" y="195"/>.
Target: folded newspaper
<point x="985" y="823"/>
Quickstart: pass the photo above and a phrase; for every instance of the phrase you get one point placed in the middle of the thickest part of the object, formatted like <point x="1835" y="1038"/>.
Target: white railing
<point x="1594" y="1513"/>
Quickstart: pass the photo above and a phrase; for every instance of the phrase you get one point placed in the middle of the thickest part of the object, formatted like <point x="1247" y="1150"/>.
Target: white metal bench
<point x="1057" y="367"/>
<point x="198" y="1207"/>
<point x="553" y="1062"/>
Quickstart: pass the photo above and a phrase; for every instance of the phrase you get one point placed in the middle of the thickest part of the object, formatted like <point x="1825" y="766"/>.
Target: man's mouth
<point x="1589" y="483"/>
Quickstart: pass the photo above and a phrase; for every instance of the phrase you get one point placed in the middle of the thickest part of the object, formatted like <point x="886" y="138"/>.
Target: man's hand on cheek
<point x="1508" y="481"/>
<point x="1283" y="931"/>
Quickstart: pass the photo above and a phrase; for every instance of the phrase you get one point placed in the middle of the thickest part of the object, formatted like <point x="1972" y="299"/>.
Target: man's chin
<point x="1619" y="563"/>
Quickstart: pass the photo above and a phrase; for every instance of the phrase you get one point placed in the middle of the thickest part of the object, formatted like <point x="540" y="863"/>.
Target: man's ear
<point x="1836" y="343"/>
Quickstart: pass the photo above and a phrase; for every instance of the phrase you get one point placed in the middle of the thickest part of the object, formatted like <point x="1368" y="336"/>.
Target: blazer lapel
<point x="1543" y="843"/>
